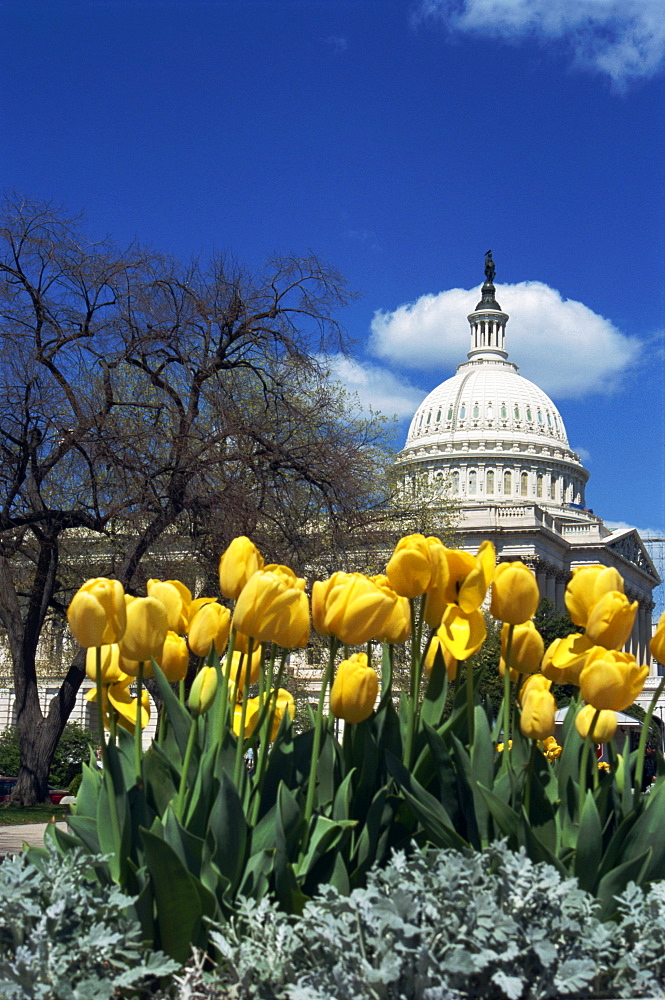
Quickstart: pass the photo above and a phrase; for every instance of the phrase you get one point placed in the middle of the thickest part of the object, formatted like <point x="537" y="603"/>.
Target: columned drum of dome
<point x="500" y="433"/>
<point x="496" y="444"/>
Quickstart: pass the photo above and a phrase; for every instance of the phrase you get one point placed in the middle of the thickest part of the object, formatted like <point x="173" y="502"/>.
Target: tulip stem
<point x="100" y="704"/>
<point x="318" y="725"/>
<point x="191" y="740"/>
<point x="416" y="670"/>
<point x="224" y="707"/>
<point x="468" y="673"/>
<point x="584" y="763"/>
<point x="138" y="750"/>
<point x="266" y="730"/>
<point x="181" y="691"/>
<point x="240" y="745"/>
<point x="506" y="699"/>
<point x="639" y="770"/>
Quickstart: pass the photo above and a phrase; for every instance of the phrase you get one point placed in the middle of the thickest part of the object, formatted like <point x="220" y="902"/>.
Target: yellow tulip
<point x="538" y="717"/>
<point x="196" y="606"/>
<point x="564" y="658"/>
<point x="611" y="680"/>
<point x="273" y="607"/>
<point x="514" y="593"/>
<point x="252" y="714"/>
<point x="354" y="689"/>
<point x="351" y="607"/>
<point x="527" y="649"/>
<point x="211" y="624"/>
<point x="415" y="565"/>
<point x="532" y="683"/>
<point x="463" y="582"/>
<point x="285" y="704"/>
<point x="203" y="690"/>
<point x="657" y="644"/>
<point x="118" y="695"/>
<point x="462" y="634"/>
<point x="174" y="658"/>
<point x="110" y="661"/>
<point x="586" y="587"/>
<point x="131" y="667"/>
<point x="238" y="670"/>
<point x="97" y="615"/>
<point x="605" y="727"/>
<point x="611" y="620"/>
<point x="146" y="629"/>
<point x="176" y="598"/>
<point x="238" y="563"/>
<point x="397" y="628"/>
<point x="450" y="661"/>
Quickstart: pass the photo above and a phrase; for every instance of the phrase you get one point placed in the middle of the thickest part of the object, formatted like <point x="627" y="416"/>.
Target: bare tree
<point x="151" y="411"/>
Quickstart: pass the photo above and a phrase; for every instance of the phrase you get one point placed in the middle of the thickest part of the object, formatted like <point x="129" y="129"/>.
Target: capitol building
<point x="496" y="445"/>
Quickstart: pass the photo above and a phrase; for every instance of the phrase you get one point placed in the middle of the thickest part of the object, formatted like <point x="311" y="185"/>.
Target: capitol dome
<point x="488" y="433"/>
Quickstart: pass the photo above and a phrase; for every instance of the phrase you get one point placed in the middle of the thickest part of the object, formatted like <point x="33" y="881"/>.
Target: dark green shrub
<point x="72" y="751"/>
<point x="75" y="784"/>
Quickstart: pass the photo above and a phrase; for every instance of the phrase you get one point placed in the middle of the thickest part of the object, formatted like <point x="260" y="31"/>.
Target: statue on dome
<point x="490" y="269"/>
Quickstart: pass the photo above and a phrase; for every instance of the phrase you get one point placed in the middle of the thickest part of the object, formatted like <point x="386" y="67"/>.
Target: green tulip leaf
<point x="228" y="827"/>
<point x="649" y="829"/>
<point x="180" y="906"/>
<point x="179" y="718"/>
<point x="444" y="770"/>
<point x="433" y="704"/>
<point x="339" y="877"/>
<point x="615" y="881"/>
<point x="372" y="840"/>
<point x="505" y="818"/>
<point x="324" y="837"/>
<point x="342" y="804"/>
<point x="89" y="791"/>
<point x="160" y="779"/>
<point x="289" y="822"/>
<point x="386" y="674"/>
<point x="589" y="845"/>
<point x="536" y="847"/>
<point x="256" y="874"/>
<point x="468" y="794"/>
<point x="432" y="816"/>
<point x="187" y="846"/>
<point x="126" y="756"/>
<point x="85" y="828"/>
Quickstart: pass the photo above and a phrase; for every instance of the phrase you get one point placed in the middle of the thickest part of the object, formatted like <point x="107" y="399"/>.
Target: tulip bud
<point x="586" y="586"/>
<point x="146" y="629"/>
<point x="657" y="644"/>
<point x="174" y="658"/>
<point x="97" y="614"/>
<point x="351" y="607"/>
<point x="176" y="598"/>
<point x="450" y="661"/>
<point x="354" y="690"/>
<point x="526" y="651"/>
<point x="610" y="679"/>
<point x="534" y="682"/>
<point x="604" y="729"/>
<point x="611" y="620"/>
<point x="211" y="624"/>
<point x="538" y="717"/>
<point x="238" y="563"/>
<point x="273" y="607"/>
<point x="203" y="690"/>
<point x="415" y="564"/>
<point x="514" y="593"/>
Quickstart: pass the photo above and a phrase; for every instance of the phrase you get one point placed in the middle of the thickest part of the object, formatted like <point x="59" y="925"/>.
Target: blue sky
<point x="398" y="140"/>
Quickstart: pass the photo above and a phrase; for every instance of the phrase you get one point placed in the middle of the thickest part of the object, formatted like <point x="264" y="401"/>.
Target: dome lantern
<point x="488" y="322"/>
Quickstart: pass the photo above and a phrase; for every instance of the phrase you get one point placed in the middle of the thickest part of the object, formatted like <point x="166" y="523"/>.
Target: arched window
<point x="549" y="419"/>
<point x="473" y="481"/>
<point x="540" y="417"/>
<point x="529" y="414"/>
<point x="517" y="412"/>
<point x="553" y="488"/>
<point x="462" y="412"/>
<point x="490" y="411"/>
<point x="539" y="484"/>
<point x="504" y="411"/>
<point x="489" y="481"/>
<point x="455" y="481"/>
<point x="476" y="411"/>
<point x="438" y="416"/>
<point x="429" y="416"/>
<point x="450" y="413"/>
<point x="524" y="484"/>
<point x="507" y="483"/>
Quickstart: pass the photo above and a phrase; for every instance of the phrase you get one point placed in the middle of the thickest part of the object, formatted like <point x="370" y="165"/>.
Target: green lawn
<point x="18" y="816"/>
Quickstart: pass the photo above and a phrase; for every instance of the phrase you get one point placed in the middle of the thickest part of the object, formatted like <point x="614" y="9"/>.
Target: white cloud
<point x="376" y="387"/>
<point x="624" y="39"/>
<point x="645" y="533"/>
<point x="561" y="345"/>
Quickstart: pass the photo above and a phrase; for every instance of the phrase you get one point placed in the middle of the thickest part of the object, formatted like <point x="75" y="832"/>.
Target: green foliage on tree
<point x="72" y="751"/>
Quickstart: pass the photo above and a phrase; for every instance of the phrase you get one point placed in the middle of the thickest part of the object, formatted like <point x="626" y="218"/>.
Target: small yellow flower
<point x="611" y="680"/>
<point x="586" y="586"/>
<point x="351" y="607"/>
<point x="397" y="628"/>
<point x="538" y="717"/>
<point x="462" y="634"/>
<point x="611" y="620"/>
<point x="415" y="565"/>
<point x="564" y="658"/>
<point x="526" y="652"/>
<point x="146" y="630"/>
<point x="463" y="584"/>
<point x="210" y="625"/>
<point x="354" y="690"/>
<point x="176" y="598"/>
<point x="174" y="657"/>
<point x="110" y="662"/>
